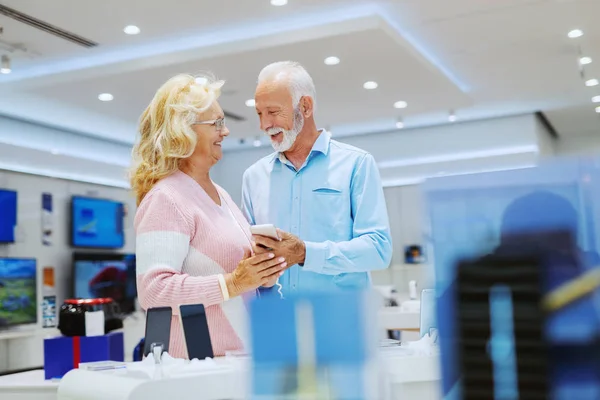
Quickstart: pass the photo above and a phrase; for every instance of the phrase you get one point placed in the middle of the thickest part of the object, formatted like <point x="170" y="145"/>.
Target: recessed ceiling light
<point x="399" y="124"/>
<point x="278" y="3"/>
<point x="105" y="97"/>
<point x="598" y="109"/>
<point x="370" y="85"/>
<point x="250" y="103"/>
<point x="131" y="30"/>
<point x="585" y="60"/>
<point x="400" y="104"/>
<point x="452" y="117"/>
<point x="591" y="82"/>
<point x="596" y="99"/>
<point x="332" y="60"/>
<point x="575" y="33"/>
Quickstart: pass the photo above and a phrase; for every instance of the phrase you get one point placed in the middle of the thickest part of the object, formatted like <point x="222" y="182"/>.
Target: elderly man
<point x="324" y="196"/>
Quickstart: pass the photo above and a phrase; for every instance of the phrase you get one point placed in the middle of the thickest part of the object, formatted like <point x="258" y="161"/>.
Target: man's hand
<point x="289" y="247"/>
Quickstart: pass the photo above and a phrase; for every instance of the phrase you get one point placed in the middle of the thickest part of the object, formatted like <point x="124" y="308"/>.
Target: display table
<point x="393" y="319"/>
<point x="411" y="377"/>
<point x="28" y="385"/>
<point x="403" y="376"/>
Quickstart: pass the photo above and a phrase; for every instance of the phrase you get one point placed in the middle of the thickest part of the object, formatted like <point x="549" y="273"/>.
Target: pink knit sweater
<point x="184" y="240"/>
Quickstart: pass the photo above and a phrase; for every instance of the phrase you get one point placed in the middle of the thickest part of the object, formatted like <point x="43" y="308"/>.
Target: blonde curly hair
<point x="166" y="137"/>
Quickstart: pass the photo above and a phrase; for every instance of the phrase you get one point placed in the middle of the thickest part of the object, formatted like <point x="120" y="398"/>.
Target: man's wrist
<point x="302" y="253"/>
<point x="316" y="254"/>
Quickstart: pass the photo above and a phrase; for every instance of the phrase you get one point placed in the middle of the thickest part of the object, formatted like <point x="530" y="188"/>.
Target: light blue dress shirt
<point x="334" y="203"/>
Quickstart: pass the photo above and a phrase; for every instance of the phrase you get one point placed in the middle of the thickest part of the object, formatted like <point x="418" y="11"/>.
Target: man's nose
<point x="265" y="123"/>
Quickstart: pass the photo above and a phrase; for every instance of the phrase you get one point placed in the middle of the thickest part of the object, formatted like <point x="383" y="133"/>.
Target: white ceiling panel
<point x="340" y="94"/>
<point x="482" y="58"/>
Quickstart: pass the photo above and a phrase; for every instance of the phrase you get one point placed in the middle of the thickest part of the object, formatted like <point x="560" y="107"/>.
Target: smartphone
<point x="158" y="328"/>
<point x="195" y="331"/>
<point x="267" y="230"/>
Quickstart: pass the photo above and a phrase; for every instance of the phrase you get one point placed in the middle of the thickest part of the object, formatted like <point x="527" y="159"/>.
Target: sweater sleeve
<point x="163" y="234"/>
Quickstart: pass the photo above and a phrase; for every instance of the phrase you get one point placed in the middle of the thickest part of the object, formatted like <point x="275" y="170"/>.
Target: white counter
<point x="28" y="385"/>
<point x="402" y="376"/>
<point x="405" y="377"/>
<point x="393" y="319"/>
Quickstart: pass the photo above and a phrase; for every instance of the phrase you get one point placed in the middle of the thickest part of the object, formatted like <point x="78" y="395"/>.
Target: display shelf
<point x="28" y="333"/>
<point x="18" y="334"/>
<point x="408" y="267"/>
<point x="393" y="318"/>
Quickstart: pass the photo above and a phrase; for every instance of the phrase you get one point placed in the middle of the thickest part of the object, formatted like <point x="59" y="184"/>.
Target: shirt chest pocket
<point x="331" y="206"/>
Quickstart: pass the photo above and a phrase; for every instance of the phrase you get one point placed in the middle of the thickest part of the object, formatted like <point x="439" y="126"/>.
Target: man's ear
<point x="307" y="106"/>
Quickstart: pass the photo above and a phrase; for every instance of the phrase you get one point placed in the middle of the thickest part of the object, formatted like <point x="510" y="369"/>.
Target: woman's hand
<point x="271" y="282"/>
<point x="253" y="272"/>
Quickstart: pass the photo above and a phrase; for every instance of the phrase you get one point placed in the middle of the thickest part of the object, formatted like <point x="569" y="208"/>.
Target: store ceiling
<point x="481" y="59"/>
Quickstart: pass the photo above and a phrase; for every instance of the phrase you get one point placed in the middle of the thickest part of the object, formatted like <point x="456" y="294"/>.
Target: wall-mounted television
<point x="18" y="291"/>
<point x="97" y="223"/>
<point x="8" y="215"/>
<point x="102" y="275"/>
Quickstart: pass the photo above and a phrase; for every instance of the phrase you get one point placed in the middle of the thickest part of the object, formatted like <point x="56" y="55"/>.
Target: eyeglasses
<point x="219" y="124"/>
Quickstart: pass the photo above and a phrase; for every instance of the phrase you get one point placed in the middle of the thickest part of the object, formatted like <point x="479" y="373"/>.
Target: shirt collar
<point x="321" y="145"/>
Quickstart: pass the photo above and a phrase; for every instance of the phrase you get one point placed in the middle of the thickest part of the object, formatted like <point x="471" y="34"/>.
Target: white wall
<point x="36" y="149"/>
<point x="33" y="148"/>
<point x="30" y="189"/>
<point x="405" y="210"/>
<point x="411" y="154"/>
<point x="578" y="145"/>
<point x="34" y="136"/>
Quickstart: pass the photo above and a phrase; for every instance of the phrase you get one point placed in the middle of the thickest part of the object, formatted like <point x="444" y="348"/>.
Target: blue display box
<point x="63" y="353"/>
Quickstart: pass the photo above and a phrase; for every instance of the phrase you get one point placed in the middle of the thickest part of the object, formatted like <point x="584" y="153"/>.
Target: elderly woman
<point x="193" y="245"/>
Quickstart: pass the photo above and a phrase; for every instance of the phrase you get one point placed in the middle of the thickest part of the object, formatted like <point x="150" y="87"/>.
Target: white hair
<point x="299" y="80"/>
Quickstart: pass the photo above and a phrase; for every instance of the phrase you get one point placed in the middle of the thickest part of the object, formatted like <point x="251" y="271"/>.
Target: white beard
<point x="289" y="136"/>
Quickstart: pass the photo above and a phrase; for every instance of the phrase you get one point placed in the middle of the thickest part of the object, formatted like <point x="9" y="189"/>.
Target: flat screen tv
<point x="8" y="215"/>
<point x="105" y="275"/>
<point x="18" y="291"/>
<point x="97" y="223"/>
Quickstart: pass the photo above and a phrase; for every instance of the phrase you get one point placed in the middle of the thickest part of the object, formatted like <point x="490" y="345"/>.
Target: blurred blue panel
<point x="473" y="215"/>
<point x="341" y="345"/>
<point x="339" y="327"/>
<point x="273" y="331"/>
